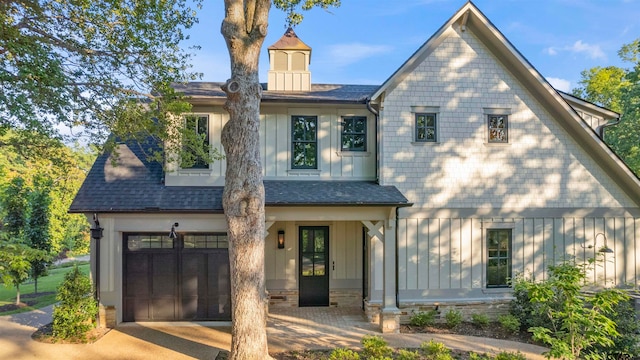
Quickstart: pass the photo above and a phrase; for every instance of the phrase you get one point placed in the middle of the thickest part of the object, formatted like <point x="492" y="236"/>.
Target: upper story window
<point x="196" y="142"/>
<point x="354" y="133"/>
<point x="304" y="142"/>
<point x="498" y="257"/>
<point x="426" y="130"/>
<point x="498" y="128"/>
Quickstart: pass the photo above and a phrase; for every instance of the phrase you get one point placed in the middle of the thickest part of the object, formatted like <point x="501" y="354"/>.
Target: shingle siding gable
<point x="542" y="166"/>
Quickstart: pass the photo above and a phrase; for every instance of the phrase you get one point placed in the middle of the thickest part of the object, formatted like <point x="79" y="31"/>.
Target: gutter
<point x="375" y="113"/>
<point x="600" y="129"/>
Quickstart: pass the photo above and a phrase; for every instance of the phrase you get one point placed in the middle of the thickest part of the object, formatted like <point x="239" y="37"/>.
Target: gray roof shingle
<point x="331" y="93"/>
<point x="136" y="185"/>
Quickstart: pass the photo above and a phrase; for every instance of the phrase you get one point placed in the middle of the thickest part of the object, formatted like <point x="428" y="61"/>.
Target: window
<point x="196" y="142"/>
<point x="498" y="257"/>
<point x="426" y="127"/>
<point x="354" y="133"/>
<point x="206" y="241"/>
<point x="498" y="129"/>
<point x="304" y="142"/>
<point x="151" y="241"/>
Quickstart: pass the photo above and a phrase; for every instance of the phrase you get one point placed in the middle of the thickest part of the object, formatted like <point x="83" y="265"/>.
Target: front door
<point x="314" y="266"/>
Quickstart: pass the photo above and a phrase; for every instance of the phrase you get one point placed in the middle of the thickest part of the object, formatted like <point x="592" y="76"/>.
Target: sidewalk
<point x="288" y="329"/>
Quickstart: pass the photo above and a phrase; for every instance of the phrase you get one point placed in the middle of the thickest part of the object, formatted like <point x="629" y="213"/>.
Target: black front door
<point x="314" y="266"/>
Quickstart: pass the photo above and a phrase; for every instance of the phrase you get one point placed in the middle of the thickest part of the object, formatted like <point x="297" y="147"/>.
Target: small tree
<point x="579" y="319"/>
<point x="37" y="228"/>
<point x="15" y="263"/>
<point x="74" y="316"/>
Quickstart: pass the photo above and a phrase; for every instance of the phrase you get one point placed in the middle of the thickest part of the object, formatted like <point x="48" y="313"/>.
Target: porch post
<point x="389" y="314"/>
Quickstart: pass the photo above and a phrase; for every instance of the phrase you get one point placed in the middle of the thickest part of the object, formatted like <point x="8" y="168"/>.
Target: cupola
<point x="289" y="60"/>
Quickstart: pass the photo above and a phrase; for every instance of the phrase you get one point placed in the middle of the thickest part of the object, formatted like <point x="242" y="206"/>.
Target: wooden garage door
<point x="176" y="279"/>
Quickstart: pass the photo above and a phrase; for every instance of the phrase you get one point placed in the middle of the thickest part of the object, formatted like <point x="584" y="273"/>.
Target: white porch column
<point x="389" y="314"/>
<point x="385" y="232"/>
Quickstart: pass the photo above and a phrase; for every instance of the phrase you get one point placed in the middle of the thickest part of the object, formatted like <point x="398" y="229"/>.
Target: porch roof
<point x="135" y="185"/>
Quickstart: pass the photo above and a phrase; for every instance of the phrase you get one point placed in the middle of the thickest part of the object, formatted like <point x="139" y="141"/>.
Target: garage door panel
<point x="177" y="283"/>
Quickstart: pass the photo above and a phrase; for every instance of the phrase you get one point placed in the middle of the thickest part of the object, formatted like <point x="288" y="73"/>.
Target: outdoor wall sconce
<point x="280" y="239"/>
<point x="172" y="233"/>
<point x="96" y="230"/>
<point x="604" y="249"/>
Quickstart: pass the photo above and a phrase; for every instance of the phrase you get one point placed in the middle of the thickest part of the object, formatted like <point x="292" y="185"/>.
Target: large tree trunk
<point x="244" y="29"/>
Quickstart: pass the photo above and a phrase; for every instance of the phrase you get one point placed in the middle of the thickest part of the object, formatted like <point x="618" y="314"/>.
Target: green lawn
<point x="47" y="287"/>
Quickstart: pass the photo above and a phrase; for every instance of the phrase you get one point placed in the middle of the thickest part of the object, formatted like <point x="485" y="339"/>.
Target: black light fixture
<point x="172" y="233"/>
<point x="280" y="239"/>
<point x="96" y="230"/>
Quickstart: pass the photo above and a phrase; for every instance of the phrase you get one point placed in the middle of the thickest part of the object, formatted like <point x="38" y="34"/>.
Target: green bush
<point x="408" y="355"/>
<point x="627" y="344"/>
<point x="375" y="347"/>
<point x="77" y="310"/>
<point x="435" y="351"/>
<point x="509" y="323"/>
<point x="530" y="314"/>
<point x="344" y="354"/>
<point x="476" y="356"/>
<point x="480" y="320"/>
<point x="510" y="356"/>
<point x="580" y="320"/>
<point x="453" y="318"/>
<point x="423" y="318"/>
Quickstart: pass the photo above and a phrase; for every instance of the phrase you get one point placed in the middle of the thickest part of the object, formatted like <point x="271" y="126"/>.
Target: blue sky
<point x="364" y="42"/>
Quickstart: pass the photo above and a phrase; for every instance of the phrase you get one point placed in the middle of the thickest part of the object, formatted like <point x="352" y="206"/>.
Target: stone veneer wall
<point x="493" y="309"/>
<point x="337" y="298"/>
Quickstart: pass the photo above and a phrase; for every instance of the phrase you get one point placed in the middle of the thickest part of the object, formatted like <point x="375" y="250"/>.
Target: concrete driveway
<point x="289" y="329"/>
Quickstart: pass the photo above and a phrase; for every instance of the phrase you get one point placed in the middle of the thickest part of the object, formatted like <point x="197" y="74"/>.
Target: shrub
<point x="375" y="346"/>
<point x="435" y="350"/>
<point x="480" y="320"/>
<point x="580" y="320"/>
<point x="423" y="318"/>
<point x="344" y="354"/>
<point x="476" y="356"/>
<point x="408" y="355"/>
<point x="528" y="313"/>
<point x="77" y="310"/>
<point x="509" y="323"/>
<point x="627" y="344"/>
<point x="510" y="356"/>
<point x="453" y="318"/>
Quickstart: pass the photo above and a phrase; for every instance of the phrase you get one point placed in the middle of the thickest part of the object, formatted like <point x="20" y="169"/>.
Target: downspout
<point x="397" y="259"/>
<point x="600" y="129"/>
<point x="375" y="113"/>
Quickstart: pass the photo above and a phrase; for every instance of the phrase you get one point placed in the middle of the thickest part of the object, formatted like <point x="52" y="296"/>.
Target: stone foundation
<point x="337" y="298"/>
<point x="390" y="322"/>
<point x="491" y="308"/>
<point x="107" y="316"/>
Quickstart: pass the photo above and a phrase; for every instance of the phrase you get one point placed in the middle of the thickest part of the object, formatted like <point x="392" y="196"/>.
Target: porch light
<point x="280" y="239"/>
<point x="172" y="233"/>
<point x="96" y="230"/>
<point x="604" y="249"/>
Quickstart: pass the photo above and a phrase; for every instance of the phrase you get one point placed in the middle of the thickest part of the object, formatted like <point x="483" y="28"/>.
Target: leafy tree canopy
<point x="92" y="63"/>
<point x="619" y="90"/>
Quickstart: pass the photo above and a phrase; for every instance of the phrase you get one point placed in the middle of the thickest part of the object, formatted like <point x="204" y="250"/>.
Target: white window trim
<point x="497" y="225"/>
<point x="198" y="171"/>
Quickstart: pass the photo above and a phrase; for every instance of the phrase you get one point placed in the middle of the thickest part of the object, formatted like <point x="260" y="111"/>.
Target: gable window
<point x="498" y="128"/>
<point x="354" y="133"/>
<point x="304" y="142"/>
<point x="425" y="127"/>
<point x="196" y="142"/>
<point x="498" y="257"/>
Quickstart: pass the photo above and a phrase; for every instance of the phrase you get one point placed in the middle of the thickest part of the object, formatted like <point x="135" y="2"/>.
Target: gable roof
<point x="134" y="184"/>
<point x="470" y="18"/>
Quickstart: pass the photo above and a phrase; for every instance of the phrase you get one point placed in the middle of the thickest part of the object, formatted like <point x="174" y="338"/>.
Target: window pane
<point x="498" y="257"/>
<point x="307" y="266"/>
<point x="498" y="125"/>
<point x="425" y="127"/>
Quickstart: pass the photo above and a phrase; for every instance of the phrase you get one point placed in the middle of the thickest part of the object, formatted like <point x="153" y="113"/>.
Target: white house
<point x="463" y="169"/>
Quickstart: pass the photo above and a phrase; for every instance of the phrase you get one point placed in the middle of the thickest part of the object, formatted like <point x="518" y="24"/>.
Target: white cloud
<point x="347" y="54"/>
<point x="593" y="51"/>
<point x="579" y="47"/>
<point x="560" y="84"/>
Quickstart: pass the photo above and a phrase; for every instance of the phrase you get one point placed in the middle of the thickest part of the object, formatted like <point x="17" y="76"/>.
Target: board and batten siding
<point x="345" y="252"/>
<point x="275" y="147"/>
<point x="443" y="259"/>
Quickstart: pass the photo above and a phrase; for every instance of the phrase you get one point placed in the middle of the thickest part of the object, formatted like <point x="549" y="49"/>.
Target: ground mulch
<point x="492" y="330"/>
<point x="44" y="334"/>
